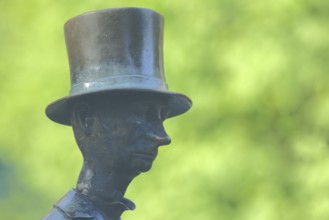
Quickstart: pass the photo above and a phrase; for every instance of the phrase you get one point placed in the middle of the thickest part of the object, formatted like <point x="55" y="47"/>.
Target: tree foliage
<point x="254" y="145"/>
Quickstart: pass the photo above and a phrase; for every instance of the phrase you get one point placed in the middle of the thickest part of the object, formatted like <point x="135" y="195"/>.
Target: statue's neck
<point x="105" y="189"/>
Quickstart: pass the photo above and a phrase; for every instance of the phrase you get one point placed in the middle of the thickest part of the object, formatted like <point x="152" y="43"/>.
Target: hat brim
<point x="59" y="111"/>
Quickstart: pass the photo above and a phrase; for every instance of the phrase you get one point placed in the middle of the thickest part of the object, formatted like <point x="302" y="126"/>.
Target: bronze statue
<point x="116" y="107"/>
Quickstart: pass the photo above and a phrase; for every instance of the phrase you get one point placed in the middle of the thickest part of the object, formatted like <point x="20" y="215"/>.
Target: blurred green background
<point x="253" y="147"/>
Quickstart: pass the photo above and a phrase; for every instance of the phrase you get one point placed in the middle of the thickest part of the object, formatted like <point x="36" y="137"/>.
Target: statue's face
<point x="126" y="134"/>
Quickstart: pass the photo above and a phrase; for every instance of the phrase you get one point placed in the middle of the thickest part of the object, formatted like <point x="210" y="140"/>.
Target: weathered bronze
<point x="116" y="107"/>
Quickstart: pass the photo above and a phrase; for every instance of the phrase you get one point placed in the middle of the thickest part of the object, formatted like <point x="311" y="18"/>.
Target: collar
<point x="114" y="208"/>
<point x="77" y="205"/>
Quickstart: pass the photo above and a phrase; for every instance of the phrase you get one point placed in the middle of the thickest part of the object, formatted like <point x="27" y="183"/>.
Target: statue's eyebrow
<point x="164" y="112"/>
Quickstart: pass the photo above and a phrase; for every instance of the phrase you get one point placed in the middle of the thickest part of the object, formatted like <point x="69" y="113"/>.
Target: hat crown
<point x="113" y="51"/>
<point x="116" y="48"/>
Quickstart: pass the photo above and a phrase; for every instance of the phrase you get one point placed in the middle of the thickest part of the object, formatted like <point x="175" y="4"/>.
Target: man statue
<point x="116" y="107"/>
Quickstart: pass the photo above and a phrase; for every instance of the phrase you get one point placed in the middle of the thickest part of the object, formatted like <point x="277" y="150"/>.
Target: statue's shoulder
<point x="74" y="205"/>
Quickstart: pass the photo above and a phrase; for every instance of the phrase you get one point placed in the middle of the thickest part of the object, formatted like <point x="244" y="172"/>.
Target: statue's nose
<point x="161" y="138"/>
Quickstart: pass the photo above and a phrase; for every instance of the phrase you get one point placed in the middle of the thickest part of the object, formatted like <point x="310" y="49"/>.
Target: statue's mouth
<point x="147" y="155"/>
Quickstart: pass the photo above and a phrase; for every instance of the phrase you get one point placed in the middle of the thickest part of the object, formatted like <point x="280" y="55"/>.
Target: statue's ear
<point x="82" y="117"/>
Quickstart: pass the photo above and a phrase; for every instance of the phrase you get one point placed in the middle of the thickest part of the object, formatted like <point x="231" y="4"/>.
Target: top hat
<point x="115" y="50"/>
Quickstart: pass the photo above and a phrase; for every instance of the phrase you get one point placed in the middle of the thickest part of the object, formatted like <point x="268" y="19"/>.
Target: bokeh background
<point x="253" y="147"/>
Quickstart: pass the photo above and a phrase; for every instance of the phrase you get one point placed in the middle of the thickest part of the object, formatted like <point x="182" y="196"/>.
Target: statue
<point x="116" y="107"/>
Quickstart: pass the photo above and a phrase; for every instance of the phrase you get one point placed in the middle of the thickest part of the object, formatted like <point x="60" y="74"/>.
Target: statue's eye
<point x="106" y="124"/>
<point x="138" y="123"/>
<point x="141" y="111"/>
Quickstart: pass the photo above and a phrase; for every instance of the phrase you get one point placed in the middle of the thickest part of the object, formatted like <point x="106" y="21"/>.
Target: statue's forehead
<point x="148" y="107"/>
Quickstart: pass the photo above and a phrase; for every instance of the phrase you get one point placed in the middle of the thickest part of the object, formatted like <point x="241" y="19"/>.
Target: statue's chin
<point x="141" y="165"/>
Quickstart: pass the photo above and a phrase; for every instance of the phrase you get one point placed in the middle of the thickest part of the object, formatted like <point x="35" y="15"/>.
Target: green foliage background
<point x="253" y="147"/>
